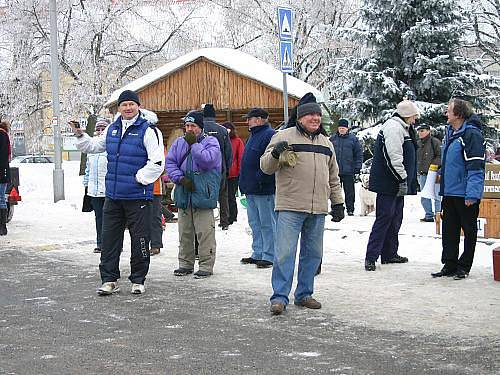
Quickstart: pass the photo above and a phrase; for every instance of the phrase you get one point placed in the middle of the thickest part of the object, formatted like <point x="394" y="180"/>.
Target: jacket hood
<point x="474" y="120"/>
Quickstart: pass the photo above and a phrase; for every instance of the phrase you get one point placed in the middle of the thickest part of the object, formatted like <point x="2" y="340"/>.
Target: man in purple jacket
<point x="195" y="154"/>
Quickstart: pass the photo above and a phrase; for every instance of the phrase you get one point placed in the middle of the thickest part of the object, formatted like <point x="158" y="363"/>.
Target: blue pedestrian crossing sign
<point x="285" y="23"/>
<point x="286" y="56"/>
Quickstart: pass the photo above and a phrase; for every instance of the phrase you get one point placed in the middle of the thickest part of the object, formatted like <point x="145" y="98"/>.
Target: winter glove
<point x="279" y="148"/>
<point x="337" y="212"/>
<point x="190" y="138"/>
<point x="403" y="189"/>
<point x="187" y="183"/>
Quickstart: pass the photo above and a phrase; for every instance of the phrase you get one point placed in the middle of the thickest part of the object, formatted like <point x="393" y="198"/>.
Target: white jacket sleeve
<point x="92" y="145"/>
<point x="156" y="157"/>
<point x="393" y="149"/>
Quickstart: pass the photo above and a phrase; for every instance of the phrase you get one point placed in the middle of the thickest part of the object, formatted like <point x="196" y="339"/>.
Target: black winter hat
<point x="257" y="112"/>
<point x="307" y="98"/>
<point x="195" y="117"/>
<point x="209" y="110"/>
<point x="128" y="95"/>
<point x="307" y="109"/>
<point x="343" y="122"/>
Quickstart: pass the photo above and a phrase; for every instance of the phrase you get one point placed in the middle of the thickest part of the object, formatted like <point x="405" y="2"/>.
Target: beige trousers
<point x="201" y="222"/>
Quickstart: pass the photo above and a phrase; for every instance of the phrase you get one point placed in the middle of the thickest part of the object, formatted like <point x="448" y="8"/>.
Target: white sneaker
<point x="138" y="289"/>
<point x="108" y="288"/>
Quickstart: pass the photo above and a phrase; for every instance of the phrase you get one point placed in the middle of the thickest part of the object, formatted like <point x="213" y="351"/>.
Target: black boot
<point x="445" y="271"/>
<point x="370" y="265"/>
<point x="3" y="222"/>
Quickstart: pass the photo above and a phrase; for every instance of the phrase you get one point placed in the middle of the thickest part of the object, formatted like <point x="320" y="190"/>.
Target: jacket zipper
<point x="314" y="184"/>
<point x="118" y="155"/>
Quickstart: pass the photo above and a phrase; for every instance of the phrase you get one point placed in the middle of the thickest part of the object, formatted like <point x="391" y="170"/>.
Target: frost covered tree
<point x="485" y="19"/>
<point x="252" y="27"/>
<point x="412" y="49"/>
<point x="102" y="45"/>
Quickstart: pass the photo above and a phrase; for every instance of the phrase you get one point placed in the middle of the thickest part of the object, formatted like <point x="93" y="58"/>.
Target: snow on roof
<point x="235" y="60"/>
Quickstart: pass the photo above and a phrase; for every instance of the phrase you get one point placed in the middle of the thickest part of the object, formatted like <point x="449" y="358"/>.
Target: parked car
<point x="32" y="159"/>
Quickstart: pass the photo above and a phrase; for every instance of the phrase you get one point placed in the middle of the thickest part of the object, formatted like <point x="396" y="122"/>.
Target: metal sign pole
<point x="58" y="175"/>
<point x="285" y="99"/>
<point x="285" y="32"/>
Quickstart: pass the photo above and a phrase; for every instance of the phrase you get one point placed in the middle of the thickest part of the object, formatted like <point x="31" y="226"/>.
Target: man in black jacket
<point x="210" y="127"/>
<point x="349" y="158"/>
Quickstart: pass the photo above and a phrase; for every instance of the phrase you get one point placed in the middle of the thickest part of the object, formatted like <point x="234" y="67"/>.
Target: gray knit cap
<point x="307" y="109"/>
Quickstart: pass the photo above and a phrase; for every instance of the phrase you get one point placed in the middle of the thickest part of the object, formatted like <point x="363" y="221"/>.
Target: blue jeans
<point x="289" y="226"/>
<point x="3" y="202"/>
<point x="426" y="202"/>
<point x="262" y="221"/>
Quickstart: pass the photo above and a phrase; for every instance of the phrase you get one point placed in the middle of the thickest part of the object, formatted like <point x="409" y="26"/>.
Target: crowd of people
<point x="292" y="179"/>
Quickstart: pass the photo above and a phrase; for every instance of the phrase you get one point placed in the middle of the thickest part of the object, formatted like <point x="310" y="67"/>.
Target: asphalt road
<point x="52" y="322"/>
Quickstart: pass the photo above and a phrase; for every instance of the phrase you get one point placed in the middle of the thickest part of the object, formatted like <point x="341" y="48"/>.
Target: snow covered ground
<point x="395" y="297"/>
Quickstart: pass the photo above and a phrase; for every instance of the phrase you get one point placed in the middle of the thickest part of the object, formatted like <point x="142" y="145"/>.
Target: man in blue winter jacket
<point x="349" y="158"/>
<point x="462" y="184"/>
<point x="135" y="160"/>
<point x="259" y="189"/>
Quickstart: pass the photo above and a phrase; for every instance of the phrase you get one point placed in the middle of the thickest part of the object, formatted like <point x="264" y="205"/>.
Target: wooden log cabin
<point x="231" y="80"/>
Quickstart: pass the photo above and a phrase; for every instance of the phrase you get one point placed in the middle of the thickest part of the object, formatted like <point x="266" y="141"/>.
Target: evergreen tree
<point x="412" y="49"/>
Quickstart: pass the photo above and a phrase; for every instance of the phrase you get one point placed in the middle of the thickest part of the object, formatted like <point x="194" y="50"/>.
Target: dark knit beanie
<point x="195" y="117"/>
<point x="343" y="123"/>
<point x="307" y="109"/>
<point x="128" y="95"/>
<point x="307" y="98"/>
<point x="209" y="110"/>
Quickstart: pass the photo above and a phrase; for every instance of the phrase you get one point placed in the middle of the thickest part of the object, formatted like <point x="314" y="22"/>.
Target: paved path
<point x="52" y="322"/>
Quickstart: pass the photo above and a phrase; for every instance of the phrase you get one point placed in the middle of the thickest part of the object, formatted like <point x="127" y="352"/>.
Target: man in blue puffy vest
<point x="349" y="158"/>
<point x="135" y="161"/>
<point x="462" y="184"/>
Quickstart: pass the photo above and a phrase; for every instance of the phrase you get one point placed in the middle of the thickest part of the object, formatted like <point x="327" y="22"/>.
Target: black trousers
<point x="457" y="216"/>
<point x="156" y="227"/>
<point x="223" y="203"/>
<point x="383" y="239"/>
<point x="232" y="188"/>
<point x="347" y="181"/>
<point x="116" y="215"/>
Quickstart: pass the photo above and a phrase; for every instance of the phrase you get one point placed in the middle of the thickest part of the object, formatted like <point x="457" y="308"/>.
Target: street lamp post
<point x="58" y="175"/>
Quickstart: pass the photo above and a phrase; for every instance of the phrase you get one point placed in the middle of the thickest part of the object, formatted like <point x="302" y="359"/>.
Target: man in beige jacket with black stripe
<point x="306" y="171"/>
